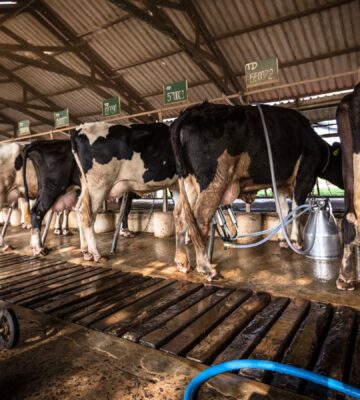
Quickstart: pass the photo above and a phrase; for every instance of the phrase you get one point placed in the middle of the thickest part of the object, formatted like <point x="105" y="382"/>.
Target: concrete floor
<point x="269" y="268"/>
<point x="61" y="361"/>
<point x="57" y="360"/>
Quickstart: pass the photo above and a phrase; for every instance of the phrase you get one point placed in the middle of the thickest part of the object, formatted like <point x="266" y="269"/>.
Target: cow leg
<point x="89" y="206"/>
<point x="4" y="229"/>
<point x="65" y="223"/>
<point x="181" y="253"/>
<point x="346" y="278"/>
<point x="25" y="213"/>
<point x="57" y="227"/>
<point x="124" y="230"/>
<point x="38" y="212"/>
<point x="284" y="211"/>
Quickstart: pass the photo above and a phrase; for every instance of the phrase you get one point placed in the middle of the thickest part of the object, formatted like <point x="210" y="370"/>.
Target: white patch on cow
<point x="350" y="217"/>
<point x="120" y="176"/>
<point x="94" y="130"/>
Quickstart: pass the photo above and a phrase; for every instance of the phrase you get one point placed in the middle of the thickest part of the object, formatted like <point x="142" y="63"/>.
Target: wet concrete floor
<point x="269" y="268"/>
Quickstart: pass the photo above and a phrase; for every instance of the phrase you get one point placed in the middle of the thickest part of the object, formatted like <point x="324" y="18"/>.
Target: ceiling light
<point x="8" y="2"/>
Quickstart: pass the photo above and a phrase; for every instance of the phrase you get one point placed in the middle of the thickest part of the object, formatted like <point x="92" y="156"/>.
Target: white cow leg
<point x="295" y="237"/>
<point x="284" y="211"/>
<point x="65" y="223"/>
<point x="83" y="242"/>
<point x="57" y="227"/>
<point x="35" y="242"/>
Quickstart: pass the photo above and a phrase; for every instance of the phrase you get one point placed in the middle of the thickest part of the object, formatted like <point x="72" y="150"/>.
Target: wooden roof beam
<point x="198" y="22"/>
<point x="45" y="15"/>
<point x="158" y="20"/>
<point x="34" y="91"/>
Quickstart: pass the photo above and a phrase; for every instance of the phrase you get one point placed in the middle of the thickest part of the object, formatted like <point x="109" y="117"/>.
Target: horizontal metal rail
<point x="164" y="110"/>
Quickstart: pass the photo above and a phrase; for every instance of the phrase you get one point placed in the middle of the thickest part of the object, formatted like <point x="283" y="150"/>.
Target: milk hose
<point x="236" y="365"/>
<point x="271" y="232"/>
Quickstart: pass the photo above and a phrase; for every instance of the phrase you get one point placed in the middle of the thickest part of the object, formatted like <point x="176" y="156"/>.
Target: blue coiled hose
<point x="235" y="365"/>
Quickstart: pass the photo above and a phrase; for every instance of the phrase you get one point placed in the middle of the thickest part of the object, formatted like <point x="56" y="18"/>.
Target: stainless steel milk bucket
<point x="322" y="224"/>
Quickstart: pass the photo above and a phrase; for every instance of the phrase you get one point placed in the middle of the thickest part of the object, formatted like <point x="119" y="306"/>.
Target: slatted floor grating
<point x="207" y="324"/>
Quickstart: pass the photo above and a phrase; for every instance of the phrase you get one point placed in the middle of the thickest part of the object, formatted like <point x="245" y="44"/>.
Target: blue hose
<point x="228" y="366"/>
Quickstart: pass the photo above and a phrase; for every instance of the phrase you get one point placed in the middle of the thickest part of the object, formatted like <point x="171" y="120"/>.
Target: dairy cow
<point x="221" y="154"/>
<point x="11" y="180"/>
<point x="115" y="159"/>
<point x="59" y="181"/>
<point x="348" y="120"/>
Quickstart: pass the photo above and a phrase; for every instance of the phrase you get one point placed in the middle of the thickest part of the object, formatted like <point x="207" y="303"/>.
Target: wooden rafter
<point x="34" y="91"/>
<point x="158" y="20"/>
<point x="5" y="119"/>
<point x="46" y="15"/>
<point x="199" y="23"/>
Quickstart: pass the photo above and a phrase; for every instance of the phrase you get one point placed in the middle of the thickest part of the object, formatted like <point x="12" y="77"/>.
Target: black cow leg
<point x="346" y="278"/>
<point x="124" y="230"/>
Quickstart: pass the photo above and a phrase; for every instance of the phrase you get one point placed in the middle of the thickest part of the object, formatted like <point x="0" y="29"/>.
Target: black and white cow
<point x="348" y="120"/>
<point x="116" y="159"/>
<point x="221" y="154"/>
<point x="11" y="180"/>
<point x="59" y="180"/>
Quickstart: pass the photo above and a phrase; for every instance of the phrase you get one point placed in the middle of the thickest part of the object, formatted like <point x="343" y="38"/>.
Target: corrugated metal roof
<point x="311" y="38"/>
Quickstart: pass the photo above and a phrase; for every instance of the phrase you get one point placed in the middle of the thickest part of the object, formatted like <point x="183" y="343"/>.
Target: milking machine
<point x="9" y="328"/>
<point x="321" y="236"/>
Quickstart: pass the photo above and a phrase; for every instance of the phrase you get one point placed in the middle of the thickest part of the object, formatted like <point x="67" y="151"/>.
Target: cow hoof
<point x="26" y="226"/>
<point x="99" y="258"/>
<point x="342" y="284"/>
<point x="283" y="244"/>
<point x="297" y="245"/>
<point x="41" y="251"/>
<point x="7" y="248"/>
<point x="183" y="268"/>
<point x="209" y="272"/>
<point x="126" y="233"/>
<point x="66" y="232"/>
<point x="88" y="256"/>
<point x="57" y="232"/>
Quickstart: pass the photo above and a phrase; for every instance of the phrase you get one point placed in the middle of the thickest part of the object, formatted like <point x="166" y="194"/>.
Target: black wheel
<point x="9" y="328"/>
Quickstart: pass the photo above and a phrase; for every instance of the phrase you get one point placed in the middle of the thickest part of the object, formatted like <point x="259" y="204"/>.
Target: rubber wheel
<point x="9" y="326"/>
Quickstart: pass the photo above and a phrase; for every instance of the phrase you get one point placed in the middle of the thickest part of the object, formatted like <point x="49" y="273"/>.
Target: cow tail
<point x="27" y="150"/>
<point x="190" y="219"/>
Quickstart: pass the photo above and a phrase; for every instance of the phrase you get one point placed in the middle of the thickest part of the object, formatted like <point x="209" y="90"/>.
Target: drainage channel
<point x="204" y="323"/>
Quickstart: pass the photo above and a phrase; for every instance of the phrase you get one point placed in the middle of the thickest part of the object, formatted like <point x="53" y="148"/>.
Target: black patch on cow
<point x="205" y="132"/>
<point x="152" y="141"/>
<point x="18" y="162"/>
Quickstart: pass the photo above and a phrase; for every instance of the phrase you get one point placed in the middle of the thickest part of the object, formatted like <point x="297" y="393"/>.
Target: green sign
<point x="61" y="118"/>
<point x="111" y="106"/>
<point x="262" y="72"/>
<point x="24" y="127"/>
<point x="175" y="92"/>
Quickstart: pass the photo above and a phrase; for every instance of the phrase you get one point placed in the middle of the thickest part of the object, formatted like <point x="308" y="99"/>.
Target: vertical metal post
<point x="47" y="228"/>
<point x="165" y="194"/>
<point x="118" y="225"/>
<point x="6" y="224"/>
<point x="210" y="248"/>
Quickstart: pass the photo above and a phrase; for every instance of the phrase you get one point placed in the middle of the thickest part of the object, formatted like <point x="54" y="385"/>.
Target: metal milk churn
<point x="321" y="224"/>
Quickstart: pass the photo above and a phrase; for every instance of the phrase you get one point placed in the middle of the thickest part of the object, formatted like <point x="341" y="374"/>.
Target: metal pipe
<point x="119" y="223"/>
<point x="210" y="249"/>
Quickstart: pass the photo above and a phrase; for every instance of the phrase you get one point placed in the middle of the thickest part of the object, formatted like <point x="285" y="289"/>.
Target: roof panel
<point x="86" y="16"/>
